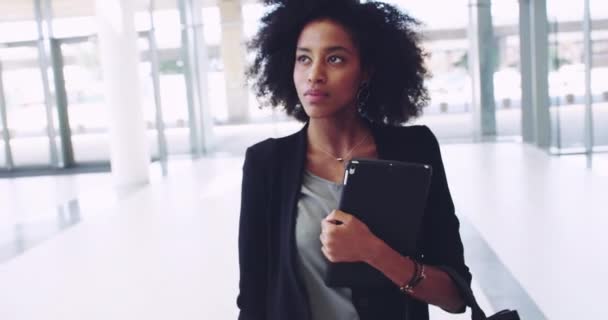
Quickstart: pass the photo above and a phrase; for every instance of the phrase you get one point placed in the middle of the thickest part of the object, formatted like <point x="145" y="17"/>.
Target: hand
<point x="345" y="238"/>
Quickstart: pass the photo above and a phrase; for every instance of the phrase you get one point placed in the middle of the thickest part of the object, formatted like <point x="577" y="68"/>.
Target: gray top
<point x="318" y="197"/>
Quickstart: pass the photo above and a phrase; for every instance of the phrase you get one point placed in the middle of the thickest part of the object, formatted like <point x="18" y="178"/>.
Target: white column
<point x="233" y="57"/>
<point x="525" y="57"/>
<point x="533" y="33"/>
<point x="119" y="63"/>
<point x="482" y="50"/>
<point x="539" y="36"/>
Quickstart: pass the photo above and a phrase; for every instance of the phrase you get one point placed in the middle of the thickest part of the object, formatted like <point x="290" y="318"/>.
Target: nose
<point x="316" y="73"/>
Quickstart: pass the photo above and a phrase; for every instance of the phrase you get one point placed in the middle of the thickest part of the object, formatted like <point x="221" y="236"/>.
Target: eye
<point x="335" y="59"/>
<point x="303" y="59"/>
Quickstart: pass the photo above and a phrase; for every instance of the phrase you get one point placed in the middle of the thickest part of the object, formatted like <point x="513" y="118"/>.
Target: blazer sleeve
<point x="442" y="245"/>
<point x="253" y="252"/>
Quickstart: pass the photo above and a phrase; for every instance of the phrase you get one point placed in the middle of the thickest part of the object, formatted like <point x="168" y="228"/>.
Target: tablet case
<point x="390" y="198"/>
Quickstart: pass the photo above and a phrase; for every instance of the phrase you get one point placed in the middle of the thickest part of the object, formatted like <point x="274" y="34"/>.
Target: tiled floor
<point x="533" y="227"/>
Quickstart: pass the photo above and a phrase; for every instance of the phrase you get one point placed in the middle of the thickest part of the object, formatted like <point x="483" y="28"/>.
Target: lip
<point x="315" y="95"/>
<point x="315" y="92"/>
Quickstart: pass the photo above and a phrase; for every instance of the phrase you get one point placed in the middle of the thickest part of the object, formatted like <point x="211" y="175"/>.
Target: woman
<point x="354" y="74"/>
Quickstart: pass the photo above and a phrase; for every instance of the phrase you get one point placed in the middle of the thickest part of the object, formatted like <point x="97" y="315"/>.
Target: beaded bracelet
<point x="416" y="278"/>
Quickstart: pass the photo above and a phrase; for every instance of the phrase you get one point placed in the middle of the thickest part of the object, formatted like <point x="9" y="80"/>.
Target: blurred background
<point x="119" y="182"/>
<point x="53" y="98"/>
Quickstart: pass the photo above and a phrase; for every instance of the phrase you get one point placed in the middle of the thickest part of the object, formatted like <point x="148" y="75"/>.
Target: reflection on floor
<point x="26" y="236"/>
<point x="168" y="250"/>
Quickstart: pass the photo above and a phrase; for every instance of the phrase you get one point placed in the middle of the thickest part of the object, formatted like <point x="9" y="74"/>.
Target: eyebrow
<point x="329" y="49"/>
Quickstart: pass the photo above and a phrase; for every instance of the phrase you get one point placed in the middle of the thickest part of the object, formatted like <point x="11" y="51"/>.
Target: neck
<point x="337" y="135"/>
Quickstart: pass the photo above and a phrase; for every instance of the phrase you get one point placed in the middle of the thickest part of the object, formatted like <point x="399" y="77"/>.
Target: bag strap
<point x="465" y="290"/>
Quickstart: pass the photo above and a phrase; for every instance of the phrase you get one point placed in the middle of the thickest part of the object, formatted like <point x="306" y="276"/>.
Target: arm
<point x="351" y="240"/>
<point x="441" y="243"/>
<point x="251" y="299"/>
<point x="437" y="288"/>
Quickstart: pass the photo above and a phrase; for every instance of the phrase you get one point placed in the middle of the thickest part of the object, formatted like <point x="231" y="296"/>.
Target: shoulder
<point x="266" y="150"/>
<point x="417" y="136"/>
<point x="413" y="131"/>
<point x="260" y="149"/>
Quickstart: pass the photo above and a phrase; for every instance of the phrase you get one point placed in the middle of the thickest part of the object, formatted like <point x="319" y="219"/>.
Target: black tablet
<point x="390" y="198"/>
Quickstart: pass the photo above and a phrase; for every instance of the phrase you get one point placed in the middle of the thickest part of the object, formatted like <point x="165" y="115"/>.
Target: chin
<point x="319" y="115"/>
<point x="324" y="112"/>
<point x="317" y="111"/>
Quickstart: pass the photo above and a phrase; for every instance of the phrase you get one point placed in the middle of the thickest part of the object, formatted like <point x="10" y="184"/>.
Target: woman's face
<point x="327" y="71"/>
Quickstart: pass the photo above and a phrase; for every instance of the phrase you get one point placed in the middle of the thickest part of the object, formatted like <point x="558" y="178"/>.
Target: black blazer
<point x="270" y="286"/>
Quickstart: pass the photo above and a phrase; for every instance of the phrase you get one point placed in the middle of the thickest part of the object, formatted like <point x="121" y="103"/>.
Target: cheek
<point x="349" y="84"/>
<point x="299" y="80"/>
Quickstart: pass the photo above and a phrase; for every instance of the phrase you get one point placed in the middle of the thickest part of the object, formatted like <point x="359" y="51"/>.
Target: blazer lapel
<point x="293" y="155"/>
<point x="293" y="159"/>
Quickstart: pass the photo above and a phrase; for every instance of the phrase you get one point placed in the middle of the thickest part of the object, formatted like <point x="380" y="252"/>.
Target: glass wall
<point x="20" y="18"/>
<point x="85" y="100"/>
<point x="507" y="76"/>
<point x="449" y="112"/>
<point x="24" y="97"/>
<point x="172" y="79"/>
<point x="84" y="82"/>
<point x="252" y="13"/>
<point x="599" y="72"/>
<point x="73" y="65"/>
<point x="86" y="107"/>
<point x="212" y="30"/>
<point x="4" y="149"/>
<point x="445" y="38"/>
<point x="566" y="75"/>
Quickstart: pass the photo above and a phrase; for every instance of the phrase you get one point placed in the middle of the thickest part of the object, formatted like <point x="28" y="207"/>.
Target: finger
<point x="328" y="226"/>
<point x="331" y="215"/>
<point x="332" y="218"/>
<point x="327" y="254"/>
<point x="342" y="216"/>
<point x="336" y="222"/>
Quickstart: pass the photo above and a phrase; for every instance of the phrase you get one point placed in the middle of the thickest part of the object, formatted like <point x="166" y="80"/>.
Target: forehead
<point x="325" y="33"/>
